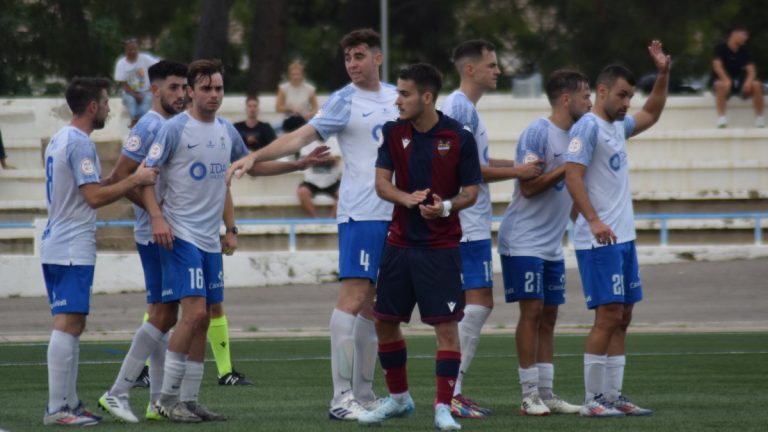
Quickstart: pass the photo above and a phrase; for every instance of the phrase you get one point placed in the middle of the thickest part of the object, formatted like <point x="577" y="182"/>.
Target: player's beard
<point x="169" y="107"/>
<point x="98" y="123"/>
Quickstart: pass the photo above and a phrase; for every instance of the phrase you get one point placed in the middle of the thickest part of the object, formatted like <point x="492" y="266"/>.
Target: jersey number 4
<point x="365" y="259"/>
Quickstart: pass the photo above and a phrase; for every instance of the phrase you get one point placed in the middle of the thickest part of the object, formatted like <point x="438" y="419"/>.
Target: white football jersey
<point x="602" y="147"/>
<point x="475" y="220"/>
<point x="356" y="117"/>
<point x="535" y="226"/>
<point x="193" y="157"/>
<point x="136" y="147"/>
<point x="70" y="162"/>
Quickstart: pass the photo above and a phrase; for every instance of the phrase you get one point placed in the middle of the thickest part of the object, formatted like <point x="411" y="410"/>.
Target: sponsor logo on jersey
<point x="451" y="306"/>
<point x="618" y="160"/>
<point x="575" y="145"/>
<point x="198" y="171"/>
<point x="367" y="114"/>
<point x="87" y="167"/>
<point x="133" y="143"/>
<point x="406" y="141"/>
<point x="443" y="146"/>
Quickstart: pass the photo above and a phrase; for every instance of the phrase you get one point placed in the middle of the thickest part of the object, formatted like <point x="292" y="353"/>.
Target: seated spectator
<point x="3" y="162"/>
<point x="296" y="99"/>
<point x="321" y="179"/>
<point x="255" y="133"/>
<point x="131" y="73"/>
<point x="733" y="72"/>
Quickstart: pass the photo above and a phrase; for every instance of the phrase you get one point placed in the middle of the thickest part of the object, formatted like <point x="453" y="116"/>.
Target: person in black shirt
<point x="733" y="72"/>
<point x="256" y="134"/>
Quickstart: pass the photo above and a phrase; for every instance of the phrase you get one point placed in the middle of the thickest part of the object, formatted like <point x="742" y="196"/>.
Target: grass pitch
<point x="695" y="382"/>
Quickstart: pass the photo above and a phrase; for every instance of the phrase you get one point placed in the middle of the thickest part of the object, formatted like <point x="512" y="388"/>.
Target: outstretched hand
<point x="661" y="60"/>
<point x="239" y="167"/>
<point x="320" y="155"/>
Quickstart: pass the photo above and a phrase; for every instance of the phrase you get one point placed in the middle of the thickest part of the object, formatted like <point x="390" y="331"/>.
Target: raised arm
<point x="654" y="105"/>
<point x="318" y="156"/>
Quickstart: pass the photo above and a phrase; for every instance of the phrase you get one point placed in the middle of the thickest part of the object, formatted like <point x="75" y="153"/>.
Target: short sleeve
<point x="84" y="162"/>
<point x="533" y="142"/>
<point x="120" y="71"/>
<point x="136" y="145"/>
<point x="165" y="144"/>
<point x="583" y="139"/>
<point x="334" y="114"/>
<point x="469" y="164"/>
<point x="462" y="110"/>
<point x="384" y="159"/>
<point x="629" y="126"/>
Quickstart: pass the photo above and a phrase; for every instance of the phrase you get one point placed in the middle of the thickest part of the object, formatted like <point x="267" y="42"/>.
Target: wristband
<point x="447" y="205"/>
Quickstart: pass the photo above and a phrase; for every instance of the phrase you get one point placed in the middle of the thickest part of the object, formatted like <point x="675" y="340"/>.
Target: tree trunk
<point x="267" y="46"/>
<point x="80" y="61"/>
<point x="212" y="34"/>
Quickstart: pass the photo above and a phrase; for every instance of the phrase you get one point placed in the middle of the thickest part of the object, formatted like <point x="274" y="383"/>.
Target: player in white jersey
<point x="68" y="245"/>
<point x="531" y="238"/>
<point x="597" y="177"/>
<point x="355" y="114"/>
<point x="192" y="150"/>
<point x="476" y="63"/>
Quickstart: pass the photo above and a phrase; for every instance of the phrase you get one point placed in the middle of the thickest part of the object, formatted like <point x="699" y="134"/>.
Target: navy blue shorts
<point x="430" y="278"/>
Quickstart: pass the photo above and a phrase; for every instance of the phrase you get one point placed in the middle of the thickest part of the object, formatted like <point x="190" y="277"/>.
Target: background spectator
<point x="131" y="73"/>
<point x="321" y="179"/>
<point x="733" y="72"/>
<point x="3" y="157"/>
<point x="255" y="133"/>
<point x="296" y="98"/>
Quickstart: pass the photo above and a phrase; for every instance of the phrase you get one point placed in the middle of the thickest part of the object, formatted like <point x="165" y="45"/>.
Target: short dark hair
<point x="361" y="36"/>
<point x="612" y="72"/>
<point x="471" y="49"/>
<point x="252" y="97"/>
<point x="81" y="91"/>
<point x="426" y="77"/>
<point x="564" y="81"/>
<point x="204" y="67"/>
<point x="165" y="68"/>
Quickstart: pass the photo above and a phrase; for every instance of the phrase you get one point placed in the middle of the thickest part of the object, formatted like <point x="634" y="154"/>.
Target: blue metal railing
<point x="663" y="219"/>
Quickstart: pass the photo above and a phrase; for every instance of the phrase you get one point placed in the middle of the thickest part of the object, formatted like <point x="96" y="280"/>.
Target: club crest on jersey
<point x="530" y="158"/>
<point x="575" y="145"/>
<point x="87" y="167"/>
<point x="223" y="143"/>
<point x="155" y="151"/>
<point x="210" y="144"/>
<point x="132" y="143"/>
<point x="443" y="146"/>
<point x="406" y="141"/>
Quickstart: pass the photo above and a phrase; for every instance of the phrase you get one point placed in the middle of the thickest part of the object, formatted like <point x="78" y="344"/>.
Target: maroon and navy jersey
<point x="443" y="159"/>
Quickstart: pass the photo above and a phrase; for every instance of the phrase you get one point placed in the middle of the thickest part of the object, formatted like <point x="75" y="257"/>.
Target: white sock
<point x="157" y="368"/>
<point x="594" y="374"/>
<point x="342" y="351"/>
<point x="146" y="338"/>
<point x="364" y="359"/>
<point x="470" y="326"/>
<point x="529" y="380"/>
<point x="546" y="377"/>
<point x="400" y="397"/>
<point x="73" y="399"/>
<point x="721" y="120"/>
<point x="614" y="377"/>
<point x="175" y="366"/>
<point x="190" y="385"/>
<point x="61" y="353"/>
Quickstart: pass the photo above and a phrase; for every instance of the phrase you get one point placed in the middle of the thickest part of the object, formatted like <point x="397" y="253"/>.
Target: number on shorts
<point x="195" y="278"/>
<point x="530" y="285"/>
<point x="618" y="284"/>
<point x="364" y="259"/>
<point x="488" y="269"/>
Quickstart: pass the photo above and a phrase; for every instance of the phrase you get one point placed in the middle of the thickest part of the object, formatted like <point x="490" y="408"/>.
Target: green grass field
<point x="696" y="382"/>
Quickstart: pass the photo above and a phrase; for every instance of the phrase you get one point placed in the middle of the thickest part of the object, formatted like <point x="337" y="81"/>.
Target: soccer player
<point x="68" y="246"/>
<point x="192" y="150"/>
<point x="531" y="237"/>
<point x="437" y="172"/>
<point x="597" y="177"/>
<point x="356" y="114"/>
<point x="478" y="68"/>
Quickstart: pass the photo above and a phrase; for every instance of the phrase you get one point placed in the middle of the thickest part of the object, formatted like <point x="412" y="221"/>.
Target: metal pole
<point x="384" y="6"/>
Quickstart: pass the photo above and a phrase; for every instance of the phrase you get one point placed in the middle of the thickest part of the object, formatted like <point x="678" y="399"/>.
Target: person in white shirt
<point x="296" y="97"/>
<point x="597" y="177"/>
<point x="68" y="245"/>
<point x="321" y="179"/>
<point x="531" y="242"/>
<point x="355" y="114"/>
<point x="132" y="74"/>
<point x="475" y="60"/>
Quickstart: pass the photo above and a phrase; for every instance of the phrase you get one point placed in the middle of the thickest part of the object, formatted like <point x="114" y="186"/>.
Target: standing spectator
<point x="733" y="72"/>
<point x="3" y="156"/>
<point x="132" y="73"/>
<point x="296" y="98"/>
<point x="321" y="179"/>
<point x="256" y="134"/>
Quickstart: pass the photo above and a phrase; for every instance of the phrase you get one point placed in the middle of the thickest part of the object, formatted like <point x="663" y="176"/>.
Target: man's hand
<point x="240" y="167"/>
<point x="145" y="176"/>
<point x="604" y="235"/>
<point x="529" y="170"/>
<point x="661" y="60"/>
<point x="161" y="232"/>
<point x="434" y="210"/>
<point x="415" y="198"/>
<point x="319" y="156"/>
<point x="229" y="243"/>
